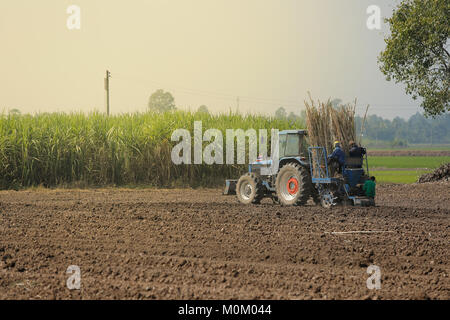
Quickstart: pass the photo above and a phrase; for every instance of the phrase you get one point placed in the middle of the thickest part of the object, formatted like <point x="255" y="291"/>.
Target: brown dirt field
<point x="410" y="153"/>
<point x="198" y="244"/>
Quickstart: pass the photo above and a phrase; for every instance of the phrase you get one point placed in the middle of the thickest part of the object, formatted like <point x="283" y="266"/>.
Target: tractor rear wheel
<point x="249" y="189"/>
<point x="292" y="185"/>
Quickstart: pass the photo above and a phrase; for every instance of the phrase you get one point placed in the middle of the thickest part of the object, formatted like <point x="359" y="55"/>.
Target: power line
<point x="212" y="93"/>
<point x="238" y="99"/>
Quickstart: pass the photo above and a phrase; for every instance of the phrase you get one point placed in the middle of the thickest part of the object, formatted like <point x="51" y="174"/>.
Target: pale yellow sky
<point x="267" y="52"/>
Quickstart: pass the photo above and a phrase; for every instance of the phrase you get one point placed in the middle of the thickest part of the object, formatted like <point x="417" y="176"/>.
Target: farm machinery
<point x="303" y="173"/>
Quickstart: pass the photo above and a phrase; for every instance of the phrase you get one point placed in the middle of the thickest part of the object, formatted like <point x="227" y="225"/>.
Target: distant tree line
<point x="376" y="130"/>
<point x="399" y="132"/>
<point x="163" y="101"/>
<point x="293" y="118"/>
<point x="417" y="129"/>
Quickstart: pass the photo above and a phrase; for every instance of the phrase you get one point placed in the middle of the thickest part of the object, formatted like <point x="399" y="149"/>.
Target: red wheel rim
<point x="292" y="186"/>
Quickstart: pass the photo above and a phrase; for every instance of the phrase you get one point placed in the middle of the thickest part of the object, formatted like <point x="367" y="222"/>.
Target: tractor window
<point x="282" y="144"/>
<point x="293" y="145"/>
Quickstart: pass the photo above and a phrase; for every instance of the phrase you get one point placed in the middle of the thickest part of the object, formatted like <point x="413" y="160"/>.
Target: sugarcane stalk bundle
<point x="327" y="123"/>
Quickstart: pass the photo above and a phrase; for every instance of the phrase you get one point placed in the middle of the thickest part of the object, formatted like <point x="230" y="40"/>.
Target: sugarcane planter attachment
<point x="303" y="173"/>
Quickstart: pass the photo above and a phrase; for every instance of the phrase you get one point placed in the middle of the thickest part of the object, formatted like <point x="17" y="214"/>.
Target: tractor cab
<point x="292" y="144"/>
<point x="292" y="147"/>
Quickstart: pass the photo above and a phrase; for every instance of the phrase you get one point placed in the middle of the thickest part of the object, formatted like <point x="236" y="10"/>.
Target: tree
<point x="280" y="113"/>
<point x="417" y="52"/>
<point x="14" y="112"/>
<point x="418" y="129"/>
<point x="203" y="109"/>
<point x="336" y="102"/>
<point x="292" y="117"/>
<point x="161" y="101"/>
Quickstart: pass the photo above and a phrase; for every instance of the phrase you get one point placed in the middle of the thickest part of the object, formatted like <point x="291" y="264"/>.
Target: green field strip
<point x="407" y="162"/>
<point x="398" y="176"/>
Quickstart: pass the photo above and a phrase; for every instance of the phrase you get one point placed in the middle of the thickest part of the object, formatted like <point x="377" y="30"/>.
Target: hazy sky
<point x="267" y="52"/>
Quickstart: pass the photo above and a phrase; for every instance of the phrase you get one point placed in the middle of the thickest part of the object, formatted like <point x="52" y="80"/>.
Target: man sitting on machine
<point x="356" y="154"/>
<point x="336" y="160"/>
<point x="356" y="151"/>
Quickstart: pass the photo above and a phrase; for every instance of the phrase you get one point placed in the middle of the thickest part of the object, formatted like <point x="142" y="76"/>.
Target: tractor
<point x="303" y="173"/>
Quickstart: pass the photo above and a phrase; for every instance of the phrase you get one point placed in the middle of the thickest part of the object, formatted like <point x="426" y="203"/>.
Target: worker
<point x="337" y="158"/>
<point x="356" y="151"/>
<point x="369" y="188"/>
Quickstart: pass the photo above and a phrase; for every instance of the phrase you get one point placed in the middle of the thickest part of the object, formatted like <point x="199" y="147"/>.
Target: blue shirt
<point x="338" y="154"/>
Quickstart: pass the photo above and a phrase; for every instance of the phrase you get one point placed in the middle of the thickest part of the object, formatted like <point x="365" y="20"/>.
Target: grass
<point x="431" y="147"/>
<point x="398" y="176"/>
<point x="407" y="162"/>
<point x="420" y="165"/>
<point x="425" y="147"/>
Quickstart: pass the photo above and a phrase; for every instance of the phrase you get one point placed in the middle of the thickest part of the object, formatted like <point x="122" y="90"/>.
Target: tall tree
<point x="417" y="52"/>
<point x="161" y="101"/>
<point x="336" y="102"/>
<point x="203" y="109"/>
<point x="14" y="112"/>
<point x="281" y="113"/>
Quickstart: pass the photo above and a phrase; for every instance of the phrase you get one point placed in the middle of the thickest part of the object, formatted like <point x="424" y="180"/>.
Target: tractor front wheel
<point x="249" y="189"/>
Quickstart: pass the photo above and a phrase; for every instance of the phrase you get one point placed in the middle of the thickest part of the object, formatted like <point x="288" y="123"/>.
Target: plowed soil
<point x="198" y="244"/>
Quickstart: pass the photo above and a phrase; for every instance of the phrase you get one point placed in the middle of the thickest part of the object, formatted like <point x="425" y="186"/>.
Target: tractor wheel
<point x="249" y="189"/>
<point x="292" y="185"/>
<point x="327" y="199"/>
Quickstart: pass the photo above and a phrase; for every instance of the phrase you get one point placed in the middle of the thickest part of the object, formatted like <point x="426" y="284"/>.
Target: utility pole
<point x="108" y="75"/>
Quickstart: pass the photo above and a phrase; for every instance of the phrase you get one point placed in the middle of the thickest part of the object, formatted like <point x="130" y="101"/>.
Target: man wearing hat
<point x="356" y="151"/>
<point x="337" y="157"/>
